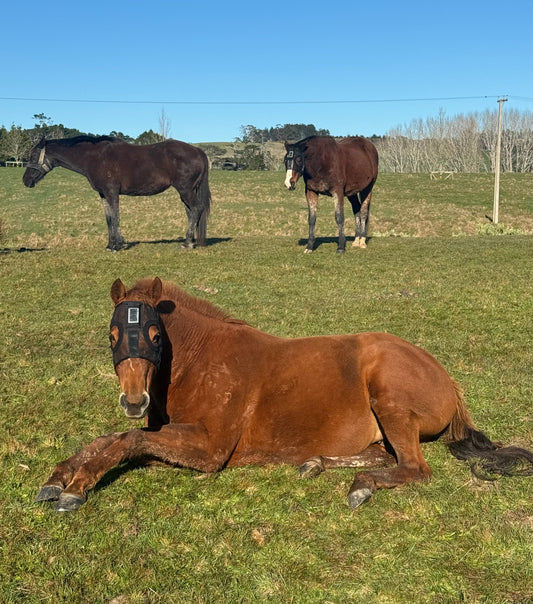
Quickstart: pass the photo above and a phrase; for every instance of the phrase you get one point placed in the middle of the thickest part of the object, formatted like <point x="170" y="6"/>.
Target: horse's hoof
<point x="49" y="493"/>
<point x="116" y="246"/>
<point x="340" y="251"/>
<point x="359" y="496"/>
<point x="68" y="502"/>
<point x="188" y="245"/>
<point x="311" y="468"/>
<point x="308" y="251"/>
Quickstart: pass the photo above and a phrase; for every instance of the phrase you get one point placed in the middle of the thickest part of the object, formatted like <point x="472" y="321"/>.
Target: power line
<point x="297" y="102"/>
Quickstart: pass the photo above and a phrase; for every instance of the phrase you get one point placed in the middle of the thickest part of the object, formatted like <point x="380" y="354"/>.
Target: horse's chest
<point x="321" y="185"/>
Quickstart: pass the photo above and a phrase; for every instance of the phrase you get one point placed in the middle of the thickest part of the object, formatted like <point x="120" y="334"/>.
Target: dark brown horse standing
<point x="216" y="392"/>
<point x="344" y="168"/>
<point x="115" y="168"/>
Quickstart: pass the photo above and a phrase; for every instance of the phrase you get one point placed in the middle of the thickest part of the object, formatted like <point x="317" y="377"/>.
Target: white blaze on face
<point x="288" y="179"/>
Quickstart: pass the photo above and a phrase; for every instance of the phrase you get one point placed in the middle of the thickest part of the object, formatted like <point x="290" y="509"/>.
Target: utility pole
<point x="496" y="205"/>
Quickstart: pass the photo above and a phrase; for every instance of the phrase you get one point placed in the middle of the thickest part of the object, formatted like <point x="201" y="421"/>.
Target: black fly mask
<point x="133" y="320"/>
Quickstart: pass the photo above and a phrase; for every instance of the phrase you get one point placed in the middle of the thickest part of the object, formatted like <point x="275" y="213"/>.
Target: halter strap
<point x="40" y="165"/>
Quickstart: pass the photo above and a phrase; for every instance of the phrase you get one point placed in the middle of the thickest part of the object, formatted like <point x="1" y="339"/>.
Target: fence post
<point x="496" y="204"/>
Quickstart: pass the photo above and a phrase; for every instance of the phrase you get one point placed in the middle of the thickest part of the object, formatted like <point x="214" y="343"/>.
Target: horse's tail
<point x="204" y="199"/>
<point x="487" y="459"/>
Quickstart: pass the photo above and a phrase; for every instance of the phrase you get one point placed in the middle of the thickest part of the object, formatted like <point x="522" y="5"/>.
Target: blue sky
<point x="343" y="65"/>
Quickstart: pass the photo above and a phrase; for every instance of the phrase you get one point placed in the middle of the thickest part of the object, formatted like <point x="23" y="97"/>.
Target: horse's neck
<point x="71" y="158"/>
<point x="194" y="337"/>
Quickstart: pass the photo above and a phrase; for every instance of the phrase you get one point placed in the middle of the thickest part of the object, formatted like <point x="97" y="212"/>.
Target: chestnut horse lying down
<point x="215" y="393"/>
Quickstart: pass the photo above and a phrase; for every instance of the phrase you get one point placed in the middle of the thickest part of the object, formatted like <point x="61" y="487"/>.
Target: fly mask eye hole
<point x="114" y="335"/>
<point x="135" y="333"/>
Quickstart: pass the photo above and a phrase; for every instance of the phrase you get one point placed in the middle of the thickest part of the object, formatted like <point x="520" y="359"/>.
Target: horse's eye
<point x="156" y="338"/>
<point x="112" y="340"/>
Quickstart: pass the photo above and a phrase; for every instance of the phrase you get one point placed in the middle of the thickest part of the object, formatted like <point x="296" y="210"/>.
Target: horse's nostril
<point x="134" y="407"/>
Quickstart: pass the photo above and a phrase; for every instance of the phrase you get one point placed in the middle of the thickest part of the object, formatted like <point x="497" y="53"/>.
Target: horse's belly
<point x="293" y="437"/>
<point x="144" y="188"/>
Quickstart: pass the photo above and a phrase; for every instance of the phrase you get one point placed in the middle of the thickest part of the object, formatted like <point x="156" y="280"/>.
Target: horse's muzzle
<point x="135" y="409"/>
<point x="29" y="181"/>
<point x="290" y="180"/>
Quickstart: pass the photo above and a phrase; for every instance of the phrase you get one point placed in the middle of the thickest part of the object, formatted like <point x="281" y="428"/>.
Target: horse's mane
<point x="173" y="293"/>
<point x="83" y="138"/>
<point x="324" y="139"/>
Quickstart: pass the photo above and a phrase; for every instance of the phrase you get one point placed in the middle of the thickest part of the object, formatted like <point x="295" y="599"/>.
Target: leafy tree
<point x="251" y="134"/>
<point x="45" y="129"/>
<point x="253" y="157"/>
<point x="3" y="134"/>
<point x="149" y="137"/>
<point x="15" y="144"/>
<point x="123" y="137"/>
<point x="213" y="152"/>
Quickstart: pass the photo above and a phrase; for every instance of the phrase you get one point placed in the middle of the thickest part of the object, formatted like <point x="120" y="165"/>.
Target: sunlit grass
<point x="260" y="534"/>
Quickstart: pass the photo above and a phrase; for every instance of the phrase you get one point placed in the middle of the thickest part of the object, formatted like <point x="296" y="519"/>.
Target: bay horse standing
<point x="114" y="167"/>
<point x="216" y="393"/>
<point x="343" y="168"/>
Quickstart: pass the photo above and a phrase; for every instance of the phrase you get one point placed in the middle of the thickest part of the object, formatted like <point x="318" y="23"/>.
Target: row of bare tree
<point x="463" y="143"/>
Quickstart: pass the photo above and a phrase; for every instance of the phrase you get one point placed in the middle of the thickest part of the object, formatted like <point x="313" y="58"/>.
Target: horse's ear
<point x="287" y="145"/>
<point x="118" y="291"/>
<point x="156" y="289"/>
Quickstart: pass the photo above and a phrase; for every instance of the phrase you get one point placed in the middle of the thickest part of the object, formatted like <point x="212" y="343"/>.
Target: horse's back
<point x="351" y="160"/>
<point x="149" y="169"/>
<point x="359" y="160"/>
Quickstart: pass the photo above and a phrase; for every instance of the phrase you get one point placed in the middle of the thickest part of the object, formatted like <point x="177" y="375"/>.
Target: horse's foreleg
<point x="112" y="216"/>
<point x="312" y="204"/>
<point x="177" y="444"/>
<point x="338" y="200"/>
<point x="64" y="471"/>
<point x="374" y="456"/>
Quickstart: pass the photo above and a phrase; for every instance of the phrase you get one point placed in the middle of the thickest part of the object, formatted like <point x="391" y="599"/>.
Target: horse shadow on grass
<point x="4" y="251"/>
<point x="326" y="240"/>
<point x="20" y="250"/>
<point x="126" y="467"/>
<point x="210" y="241"/>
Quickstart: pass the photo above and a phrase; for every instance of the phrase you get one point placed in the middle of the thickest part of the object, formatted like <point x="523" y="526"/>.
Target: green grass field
<point x="436" y="272"/>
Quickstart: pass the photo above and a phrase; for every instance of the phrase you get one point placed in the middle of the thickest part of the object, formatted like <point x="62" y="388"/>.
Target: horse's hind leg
<point x="194" y="212"/>
<point x="375" y="456"/>
<point x="112" y="216"/>
<point x="64" y="471"/>
<point x="402" y="432"/>
<point x="361" y="210"/>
